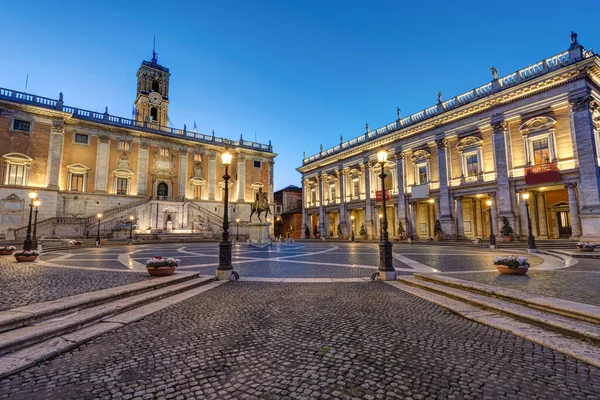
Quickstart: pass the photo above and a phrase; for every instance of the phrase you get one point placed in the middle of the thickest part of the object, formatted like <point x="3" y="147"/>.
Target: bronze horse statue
<point x="260" y="204"/>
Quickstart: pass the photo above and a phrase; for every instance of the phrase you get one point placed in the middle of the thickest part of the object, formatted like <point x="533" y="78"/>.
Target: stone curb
<point x="19" y="316"/>
<point x="25" y="358"/>
<point x="580" y="311"/>
<point x="571" y="347"/>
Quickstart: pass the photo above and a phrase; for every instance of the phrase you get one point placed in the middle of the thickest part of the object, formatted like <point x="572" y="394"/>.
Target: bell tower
<point x="152" y="99"/>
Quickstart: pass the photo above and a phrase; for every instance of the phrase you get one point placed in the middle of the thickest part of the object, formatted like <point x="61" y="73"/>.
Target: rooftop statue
<point x="261" y="203"/>
<point x="367" y="128"/>
<point x="573" y="37"/>
<point x="494" y="72"/>
<point x="439" y="96"/>
<point x="398" y="112"/>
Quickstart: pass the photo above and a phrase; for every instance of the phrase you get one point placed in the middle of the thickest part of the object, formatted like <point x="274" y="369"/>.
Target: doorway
<point x="564" y="224"/>
<point x="162" y="189"/>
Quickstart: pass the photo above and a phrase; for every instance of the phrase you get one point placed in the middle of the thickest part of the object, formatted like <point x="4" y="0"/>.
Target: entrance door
<point x="162" y="189"/>
<point x="564" y="223"/>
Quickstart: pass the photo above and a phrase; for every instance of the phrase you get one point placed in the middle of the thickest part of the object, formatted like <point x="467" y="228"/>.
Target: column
<point x="479" y="218"/>
<point x="305" y="197"/>
<point x="271" y="182"/>
<point x="523" y="211"/>
<point x="183" y="173"/>
<point x="142" y="169"/>
<point x="321" y="207"/>
<point x="102" y="154"/>
<point x="459" y="218"/>
<point x="55" y="151"/>
<point x="541" y="212"/>
<point x="443" y="206"/>
<point x="588" y="190"/>
<point x="574" y="211"/>
<point x="241" y="178"/>
<point x="366" y="168"/>
<point x="341" y="175"/>
<point x="494" y="218"/>
<point x="504" y="203"/>
<point x="412" y="232"/>
<point x="401" y="207"/>
<point x="212" y="175"/>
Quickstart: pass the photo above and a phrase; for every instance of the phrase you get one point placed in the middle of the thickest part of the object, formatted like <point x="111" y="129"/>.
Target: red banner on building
<point x="378" y="195"/>
<point x="542" y="174"/>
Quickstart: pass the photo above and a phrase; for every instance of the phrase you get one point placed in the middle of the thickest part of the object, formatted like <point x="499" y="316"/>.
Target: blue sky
<point x="299" y="73"/>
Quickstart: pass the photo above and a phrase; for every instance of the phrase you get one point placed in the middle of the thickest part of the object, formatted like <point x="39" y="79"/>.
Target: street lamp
<point x="237" y="229"/>
<point x="380" y="227"/>
<point x="27" y="244"/>
<point x="131" y="218"/>
<point x="99" y="215"/>
<point x="492" y="236"/>
<point x="531" y="248"/>
<point x="225" y="269"/>
<point x="386" y="268"/>
<point x="352" y="218"/>
<point x="34" y="244"/>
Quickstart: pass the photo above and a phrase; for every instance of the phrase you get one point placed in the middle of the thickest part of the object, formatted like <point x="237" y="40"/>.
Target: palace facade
<point x="535" y="130"/>
<point x="82" y="163"/>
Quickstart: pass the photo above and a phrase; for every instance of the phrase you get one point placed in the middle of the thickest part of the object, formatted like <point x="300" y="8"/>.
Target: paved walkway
<point x="306" y="341"/>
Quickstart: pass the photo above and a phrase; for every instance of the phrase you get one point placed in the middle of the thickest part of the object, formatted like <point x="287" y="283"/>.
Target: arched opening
<point x="153" y="114"/>
<point x="162" y="189"/>
<point x="155" y="85"/>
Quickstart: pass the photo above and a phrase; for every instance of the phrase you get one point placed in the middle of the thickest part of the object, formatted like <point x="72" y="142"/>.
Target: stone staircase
<point x="541" y="244"/>
<point x="32" y="333"/>
<point x="565" y="326"/>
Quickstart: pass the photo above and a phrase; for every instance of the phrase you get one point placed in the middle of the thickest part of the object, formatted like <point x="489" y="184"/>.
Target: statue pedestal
<point x="259" y="234"/>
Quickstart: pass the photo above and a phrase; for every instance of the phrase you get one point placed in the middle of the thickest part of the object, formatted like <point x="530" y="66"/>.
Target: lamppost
<point x="237" y="229"/>
<point x="131" y="218"/>
<point x="34" y="244"/>
<point x="352" y="218"/>
<point x="99" y="215"/>
<point x="27" y="244"/>
<point x="492" y="236"/>
<point x="531" y="247"/>
<point x="225" y="269"/>
<point x="386" y="269"/>
<point x="380" y="227"/>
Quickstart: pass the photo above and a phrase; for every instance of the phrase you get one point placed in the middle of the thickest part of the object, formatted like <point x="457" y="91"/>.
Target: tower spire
<point x="154" y="55"/>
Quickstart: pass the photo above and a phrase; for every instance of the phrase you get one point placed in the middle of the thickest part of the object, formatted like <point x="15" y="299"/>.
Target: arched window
<point x="155" y="85"/>
<point x="162" y="189"/>
<point x="16" y="169"/>
<point x="153" y="114"/>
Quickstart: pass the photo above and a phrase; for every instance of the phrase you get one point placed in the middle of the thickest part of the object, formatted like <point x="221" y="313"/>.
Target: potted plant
<point x="363" y="231"/>
<point x="511" y="265"/>
<point x="507" y="230"/>
<point x="401" y="232"/>
<point x="161" y="266"/>
<point x="437" y="231"/>
<point x="586" y="246"/>
<point x="339" y="230"/>
<point x="7" y="250"/>
<point x="26" y="255"/>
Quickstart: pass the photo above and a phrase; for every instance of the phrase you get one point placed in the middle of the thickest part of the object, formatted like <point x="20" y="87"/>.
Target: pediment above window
<point x="122" y="173"/>
<point x="17" y="158"/>
<point x="537" y="124"/>
<point x="420" y="155"/>
<point x="77" y="168"/>
<point x="468" y="142"/>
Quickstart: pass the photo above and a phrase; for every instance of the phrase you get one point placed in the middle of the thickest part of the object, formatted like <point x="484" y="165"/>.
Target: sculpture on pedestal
<point x="261" y="204"/>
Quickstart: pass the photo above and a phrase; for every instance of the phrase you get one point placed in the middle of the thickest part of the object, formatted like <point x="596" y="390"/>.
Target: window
<point x="79" y="138"/>
<point x="20" y="125"/>
<point x="313" y="195"/>
<point x="165" y="152"/>
<point x="153" y="114"/>
<point x="154" y="85"/>
<point x="124" y="146"/>
<point x="16" y="169"/>
<point x="197" y="192"/>
<point x="121" y="185"/>
<point x="472" y="165"/>
<point x="77" y="182"/>
<point x="422" y="171"/>
<point x="256" y="164"/>
<point x="355" y="187"/>
<point x="198" y="157"/>
<point x="332" y="192"/>
<point x="541" y="154"/>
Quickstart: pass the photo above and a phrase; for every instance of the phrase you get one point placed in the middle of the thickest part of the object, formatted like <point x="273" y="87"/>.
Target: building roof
<point x="290" y="188"/>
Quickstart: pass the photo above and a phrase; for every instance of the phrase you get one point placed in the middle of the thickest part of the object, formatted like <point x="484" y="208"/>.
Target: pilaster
<point x="183" y="172"/>
<point x="500" y="131"/>
<point x="212" y="175"/>
<point x="142" y="169"/>
<point x="460" y="232"/>
<point x="55" y="151"/>
<point x="401" y="214"/>
<point x="321" y="207"/>
<point x="444" y="209"/>
<point x="241" y="178"/>
<point x="102" y="155"/>
<point x="574" y="211"/>
<point x="341" y="176"/>
<point x="366" y="172"/>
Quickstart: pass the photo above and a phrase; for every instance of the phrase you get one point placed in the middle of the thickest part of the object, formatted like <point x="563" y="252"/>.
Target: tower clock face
<point x="154" y="98"/>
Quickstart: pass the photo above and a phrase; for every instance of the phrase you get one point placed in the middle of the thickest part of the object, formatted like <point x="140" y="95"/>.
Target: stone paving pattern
<point x="247" y="340"/>
<point x="576" y="283"/>
<point x="27" y="283"/>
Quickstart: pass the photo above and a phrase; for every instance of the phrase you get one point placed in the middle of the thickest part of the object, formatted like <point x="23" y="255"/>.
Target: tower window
<point x="154" y="114"/>
<point x="165" y="152"/>
<point x="155" y="85"/>
<point x="256" y="164"/>
<point x="20" y="125"/>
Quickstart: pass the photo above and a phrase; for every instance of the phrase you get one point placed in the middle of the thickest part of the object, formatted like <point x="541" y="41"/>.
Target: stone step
<point x="34" y="313"/>
<point x="565" y="325"/>
<point x="59" y="325"/>
<point x="571" y="309"/>
<point x="570" y="346"/>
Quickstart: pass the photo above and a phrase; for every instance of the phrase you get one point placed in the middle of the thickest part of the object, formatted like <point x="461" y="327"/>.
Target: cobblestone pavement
<point x="579" y="283"/>
<point x="306" y="341"/>
<point x="27" y="283"/>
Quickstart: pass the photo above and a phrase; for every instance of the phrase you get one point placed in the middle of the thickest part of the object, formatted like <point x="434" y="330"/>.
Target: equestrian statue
<point x="261" y="203"/>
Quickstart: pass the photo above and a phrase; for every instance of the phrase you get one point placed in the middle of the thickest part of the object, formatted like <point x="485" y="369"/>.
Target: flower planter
<point x="26" y="258"/>
<point x="511" y="271"/>
<point x="588" y="249"/>
<point x="508" y="239"/>
<point x="161" y="271"/>
<point x="6" y="253"/>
